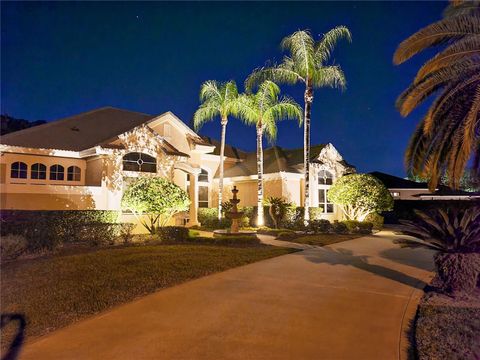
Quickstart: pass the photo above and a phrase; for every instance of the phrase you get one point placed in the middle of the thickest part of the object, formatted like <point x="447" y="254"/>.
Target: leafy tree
<point x="263" y="110"/>
<point x="155" y="197"/>
<point x="218" y="99"/>
<point x="468" y="182"/>
<point x="449" y="134"/>
<point x="359" y="195"/>
<point x="307" y="64"/>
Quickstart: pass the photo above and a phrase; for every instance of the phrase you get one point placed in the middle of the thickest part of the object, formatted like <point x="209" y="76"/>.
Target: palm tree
<point x="449" y="133"/>
<point x="218" y="99"/>
<point x="307" y="64"/>
<point x="263" y="110"/>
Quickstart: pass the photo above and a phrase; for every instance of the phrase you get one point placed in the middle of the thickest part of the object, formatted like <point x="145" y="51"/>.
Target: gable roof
<point x="275" y="159"/>
<point x="78" y="132"/>
<point x="395" y="182"/>
<point x="230" y="151"/>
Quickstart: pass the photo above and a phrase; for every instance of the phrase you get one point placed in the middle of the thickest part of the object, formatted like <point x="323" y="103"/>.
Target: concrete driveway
<point x="351" y="300"/>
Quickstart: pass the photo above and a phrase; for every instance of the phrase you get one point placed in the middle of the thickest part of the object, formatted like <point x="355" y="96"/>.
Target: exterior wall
<point x="94" y="171"/>
<point x="407" y="194"/>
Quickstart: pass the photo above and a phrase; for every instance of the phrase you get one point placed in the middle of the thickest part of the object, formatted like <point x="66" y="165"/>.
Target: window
<point x="139" y="162"/>
<point x="56" y="172"/>
<point x="19" y="170"/>
<point x="73" y="173"/>
<point x="202" y="188"/>
<point x="38" y="171"/>
<point x="325" y="177"/>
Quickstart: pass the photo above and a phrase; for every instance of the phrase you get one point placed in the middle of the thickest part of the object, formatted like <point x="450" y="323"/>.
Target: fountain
<point x="235" y="216"/>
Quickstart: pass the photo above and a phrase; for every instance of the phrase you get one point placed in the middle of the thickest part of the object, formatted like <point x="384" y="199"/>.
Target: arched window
<point x="18" y="170"/>
<point x="38" y="171"/>
<point x="73" y="173"/>
<point x="325" y="177"/>
<point x="139" y="162"/>
<point x="57" y="172"/>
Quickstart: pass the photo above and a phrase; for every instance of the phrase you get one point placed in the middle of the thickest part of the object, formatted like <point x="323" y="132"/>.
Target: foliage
<point x="376" y="220"/>
<point x="358" y="227"/>
<point x="278" y="208"/>
<point x="155" y="197"/>
<point x="319" y="226"/>
<point x="359" y="195"/>
<point x="339" y="227"/>
<point x="101" y="234"/>
<point x="173" y="233"/>
<point x="295" y="218"/>
<point x="208" y="218"/>
<point x="315" y="213"/>
<point x="126" y="232"/>
<point x="449" y="134"/>
<point x="227" y="240"/>
<point x="468" y="182"/>
<point x="451" y="231"/>
<point x="12" y="246"/>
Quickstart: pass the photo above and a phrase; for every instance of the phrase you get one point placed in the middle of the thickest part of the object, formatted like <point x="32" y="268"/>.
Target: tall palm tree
<point x="217" y="99"/>
<point x="307" y="64"/>
<point x="449" y="134"/>
<point x="263" y="109"/>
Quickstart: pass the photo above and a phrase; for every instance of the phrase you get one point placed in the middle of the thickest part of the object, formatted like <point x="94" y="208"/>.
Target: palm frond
<point x="445" y="30"/>
<point x="279" y="74"/>
<point x="301" y="47"/>
<point x="204" y="114"/>
<point x="461" y="7"/>
<point x="324" y="47"/>
<point x="329" y="76"/>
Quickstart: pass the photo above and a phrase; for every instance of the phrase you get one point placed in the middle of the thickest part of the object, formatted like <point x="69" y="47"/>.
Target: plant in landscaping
<point x="455" y="234"/>
<point x="315" y="213"/>
<point x="359" y="195"/>
<point x="307" y="64"/>
<point x="278" y="208"/>
<point x="320" y="226"/>
<point x="155" y="197"/>
<point x="12" y="246"/>
<point x="263" y="109"/>
<point x="376" y="220"/>
<point x="218" y="99"/>
<point x="339" y="227"/>
<point x="449" y="134"/>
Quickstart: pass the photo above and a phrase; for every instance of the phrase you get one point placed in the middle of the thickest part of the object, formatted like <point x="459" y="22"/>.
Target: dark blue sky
<point x="62" y="58"/>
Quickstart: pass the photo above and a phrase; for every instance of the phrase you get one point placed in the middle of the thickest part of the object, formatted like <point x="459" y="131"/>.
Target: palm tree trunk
<point x="220" y="181"/>
<point x="260" y="219"/>
<point x="306" y="149"/>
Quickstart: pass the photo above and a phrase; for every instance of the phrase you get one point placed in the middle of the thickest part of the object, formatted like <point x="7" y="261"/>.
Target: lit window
<point x="395" y="194"/>
<point x="38" y="171"/>
<point x="323" y="201"/>
<point x="56" y="172"/>
<point x="19" y="170"/>
<point x="139" y="162"/>
<point x="325" y="177"/>
<point x="73" y="173"/>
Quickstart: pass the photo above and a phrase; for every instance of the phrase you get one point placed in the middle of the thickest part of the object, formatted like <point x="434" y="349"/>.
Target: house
<point x="86" y="160"/>
<point x="404" y="189"/>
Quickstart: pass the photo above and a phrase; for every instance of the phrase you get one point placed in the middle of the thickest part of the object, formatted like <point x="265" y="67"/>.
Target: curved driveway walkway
<point x="350" y="300"/>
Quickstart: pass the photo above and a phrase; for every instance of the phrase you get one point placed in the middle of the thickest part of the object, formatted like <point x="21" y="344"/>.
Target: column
<point x="193" y="214"/>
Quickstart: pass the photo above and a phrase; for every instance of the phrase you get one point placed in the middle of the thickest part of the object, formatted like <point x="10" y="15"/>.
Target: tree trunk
<point x="220" y="181"/>
<point x="306" y="149"/>
<point x="260" y="219"/>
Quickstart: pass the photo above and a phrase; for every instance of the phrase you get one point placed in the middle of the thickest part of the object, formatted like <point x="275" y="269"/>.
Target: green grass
<point x="55" y="291"/>
<point x="321" y="239"/>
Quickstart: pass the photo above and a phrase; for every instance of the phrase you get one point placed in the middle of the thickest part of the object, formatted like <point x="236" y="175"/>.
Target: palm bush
<point x="278" y="208"/>
<point x="455" y="234"/>
<point x="449" y="134"/>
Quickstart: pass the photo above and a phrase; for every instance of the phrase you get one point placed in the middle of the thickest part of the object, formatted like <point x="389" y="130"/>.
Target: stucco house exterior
<point x="86" y="160"/>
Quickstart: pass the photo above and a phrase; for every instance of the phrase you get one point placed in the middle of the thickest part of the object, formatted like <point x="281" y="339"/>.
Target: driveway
<point x="350" y="300"/>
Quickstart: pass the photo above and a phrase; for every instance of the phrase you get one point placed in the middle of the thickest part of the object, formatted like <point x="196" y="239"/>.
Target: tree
<point x="307" y="64"/>
<point x="155" y="197"/>
<point x="218" y="99"/>
<point x="359" y="195"/>
<point x="449" y="134"/>
<point x="278" y="209"/>
<point x="263" y="110"/>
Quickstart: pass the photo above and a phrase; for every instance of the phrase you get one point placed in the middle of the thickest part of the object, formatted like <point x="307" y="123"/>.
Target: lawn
<point x="321" y="239"/>
<point x="55" y="291"/>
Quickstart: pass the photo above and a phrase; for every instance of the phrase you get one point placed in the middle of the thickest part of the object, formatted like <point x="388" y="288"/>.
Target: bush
<point x="173" y="233"/>
<point x="321" y="226"/>
<point x="315" y="213"/>
<point x="376" y="220"/>
<point x="208" y="218"/>
<point x="103" y="234"/>
<point x="288" y="235"/>
<point x="358" y="227"/>
<point x="226" y="240"/>
<point x="339" y="227"/>
<point x="12" y="246"/>
<point x="458" y="272"/>
<point x="126" y="232"/>
<point x="295" y="218"/>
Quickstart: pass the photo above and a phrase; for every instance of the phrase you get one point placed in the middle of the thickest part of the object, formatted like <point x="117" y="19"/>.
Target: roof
<point x="395" y="182"/>
<point x="78" y="132"/>
<point x="275" y="159"/>
<point x="230" y="151"/>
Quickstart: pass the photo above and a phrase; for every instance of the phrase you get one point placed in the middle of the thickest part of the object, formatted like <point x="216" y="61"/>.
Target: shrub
<point x="226" y="240"/>
<point x="358" y="227"/>
<point x="101" y="234"/>
<point x="365" y="227"/>
<point x="315" y="213"/>
<point x="173" y="233"/>
<point x="295" y="218"/>
<point x="360" y="195"/>
<point x="458" y="272"/>
<point x="278" y="208"/>
<point x="155" y="197"/>
<point x="12" y="246"/>
<point x="288" y="235"/>
<point x="321" y="226"/>
<point x="126" y="232"/>
<point x="208" y="218"/>
<point x="339" y="227"/>
<point x="376" y="220"/>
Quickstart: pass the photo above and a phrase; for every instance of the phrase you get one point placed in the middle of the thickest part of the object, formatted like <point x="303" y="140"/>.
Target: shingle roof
<point x="230" y="151"/>
<point x="78" y="132"/>
<point x="395" y="182"/>
<point x="275" y="159"/>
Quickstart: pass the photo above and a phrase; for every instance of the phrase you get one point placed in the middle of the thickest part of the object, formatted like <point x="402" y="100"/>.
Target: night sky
<point x="63" y="58"/>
